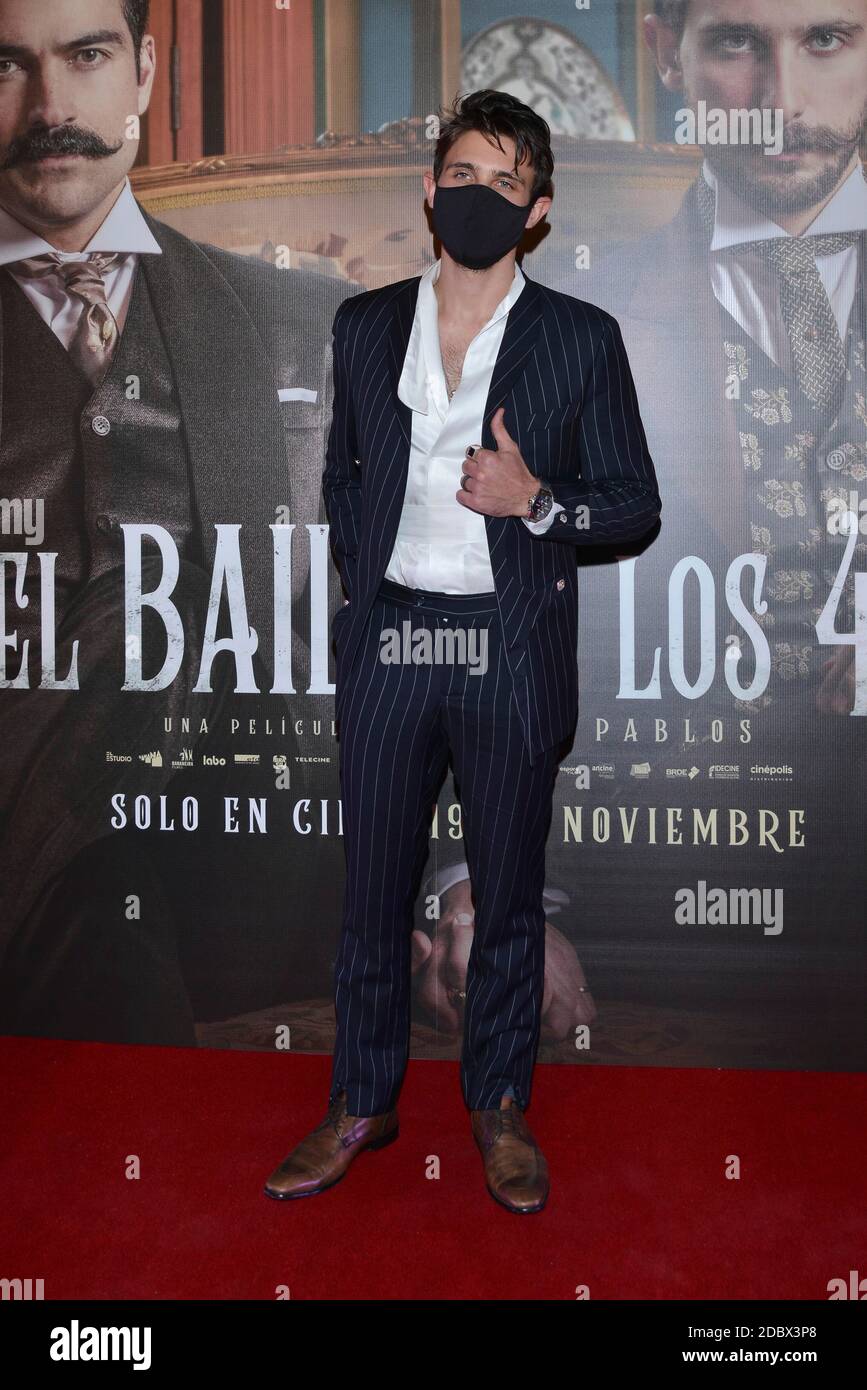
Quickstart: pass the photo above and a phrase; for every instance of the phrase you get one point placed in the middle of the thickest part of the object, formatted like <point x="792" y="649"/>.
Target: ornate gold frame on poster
<point x="400" y="149"/>
<point x="353" y="206"/>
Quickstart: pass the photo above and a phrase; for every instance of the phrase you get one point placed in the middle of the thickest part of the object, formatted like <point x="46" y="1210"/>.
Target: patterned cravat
<point x="96" y="333"/>
<point x="817" y="351"/>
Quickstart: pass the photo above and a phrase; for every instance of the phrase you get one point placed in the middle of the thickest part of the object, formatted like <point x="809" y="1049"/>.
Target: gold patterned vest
<point x="802" y="469"/>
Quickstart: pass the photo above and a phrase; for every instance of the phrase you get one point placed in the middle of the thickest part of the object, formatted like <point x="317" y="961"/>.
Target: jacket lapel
<point x="229" y="406"/>
<point x="523" y="325"/>
<point x="674" y="341"/>
<point x="521" y="335"/>
<point x="2" y="366"/>
<point x="403" y="314"/>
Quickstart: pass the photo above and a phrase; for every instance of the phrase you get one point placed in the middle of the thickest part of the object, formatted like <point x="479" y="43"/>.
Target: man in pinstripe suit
<point x="484" y="429"/>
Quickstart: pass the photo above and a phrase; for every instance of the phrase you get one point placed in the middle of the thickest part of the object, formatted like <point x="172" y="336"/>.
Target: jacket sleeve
<point x="614" y="496"/>
<point x="341" y="481"/>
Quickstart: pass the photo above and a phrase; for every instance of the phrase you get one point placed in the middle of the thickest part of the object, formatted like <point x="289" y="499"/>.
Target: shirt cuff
<point x="540" y="527"/>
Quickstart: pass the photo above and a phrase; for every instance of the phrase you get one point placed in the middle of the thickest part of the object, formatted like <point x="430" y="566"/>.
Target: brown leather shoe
<point x="322" y="1158"/>
<point x="515" y="1168"/>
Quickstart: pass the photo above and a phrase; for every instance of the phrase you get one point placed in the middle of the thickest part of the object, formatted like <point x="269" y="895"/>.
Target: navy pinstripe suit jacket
<point x="563" y="376"/>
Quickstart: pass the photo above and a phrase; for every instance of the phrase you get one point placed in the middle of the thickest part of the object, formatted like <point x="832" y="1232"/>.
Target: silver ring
<point x="464" y="480"/>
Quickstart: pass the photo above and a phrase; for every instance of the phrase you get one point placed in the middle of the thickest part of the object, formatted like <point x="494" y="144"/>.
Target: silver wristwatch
<point x="541" y="504"/>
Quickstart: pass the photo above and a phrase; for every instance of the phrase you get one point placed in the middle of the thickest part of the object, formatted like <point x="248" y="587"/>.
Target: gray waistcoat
<point x="96" y="457"/>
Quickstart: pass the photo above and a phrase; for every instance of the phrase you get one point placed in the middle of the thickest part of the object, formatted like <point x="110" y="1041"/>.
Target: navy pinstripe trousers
<point x="399" y="726"/>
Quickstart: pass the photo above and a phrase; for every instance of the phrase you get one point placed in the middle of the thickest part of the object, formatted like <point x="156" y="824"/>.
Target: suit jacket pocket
<point x="300" y="414"/>
<point x="554" y="419"/>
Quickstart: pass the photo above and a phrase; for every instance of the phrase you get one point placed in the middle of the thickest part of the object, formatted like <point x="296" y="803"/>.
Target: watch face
<point x="542" y="505"/>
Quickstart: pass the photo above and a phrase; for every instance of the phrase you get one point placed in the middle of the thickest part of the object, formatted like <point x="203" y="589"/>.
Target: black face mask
<point x="477" y="225"/>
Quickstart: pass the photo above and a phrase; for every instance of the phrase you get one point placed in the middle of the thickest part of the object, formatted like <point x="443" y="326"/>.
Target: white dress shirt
<point x="440" y="544"/>
<point x="123" y="230"/>
<point x="744" y="282"/>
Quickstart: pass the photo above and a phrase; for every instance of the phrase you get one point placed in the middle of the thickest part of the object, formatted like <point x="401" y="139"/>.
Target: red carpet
<point x="640" y="1207"/>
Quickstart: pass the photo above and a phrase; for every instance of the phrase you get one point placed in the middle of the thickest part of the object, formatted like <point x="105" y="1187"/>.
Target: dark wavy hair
<point x="135" y="12"/>
<point x="496" y="114"/>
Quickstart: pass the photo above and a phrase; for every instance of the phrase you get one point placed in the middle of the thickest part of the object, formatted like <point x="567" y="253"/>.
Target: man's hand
<point x="499" y="483"/>
<point x="836" y="694"/>
<point x="566" y="1002"/>
<point x="441" y="968"/>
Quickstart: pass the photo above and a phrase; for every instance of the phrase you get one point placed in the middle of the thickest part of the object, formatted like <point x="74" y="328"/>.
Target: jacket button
<point x="561" y="583"/>
<point x="100" y="425"/>
<point x="561" y="516"/>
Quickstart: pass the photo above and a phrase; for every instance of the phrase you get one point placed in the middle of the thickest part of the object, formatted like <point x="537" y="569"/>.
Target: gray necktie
<point x="817" y="351"/>
<point x="96" y="333"/>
